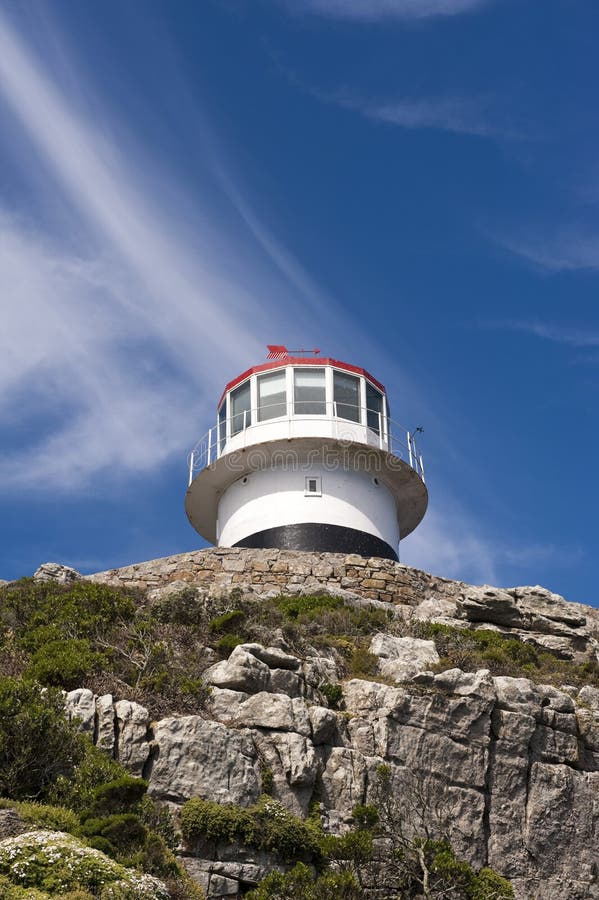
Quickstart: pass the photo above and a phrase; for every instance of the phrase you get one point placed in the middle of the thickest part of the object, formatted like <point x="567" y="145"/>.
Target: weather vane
<point x="278" y="351"/>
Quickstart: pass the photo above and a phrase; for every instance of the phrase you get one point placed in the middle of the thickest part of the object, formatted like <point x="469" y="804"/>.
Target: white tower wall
<point x="273" y="498"/>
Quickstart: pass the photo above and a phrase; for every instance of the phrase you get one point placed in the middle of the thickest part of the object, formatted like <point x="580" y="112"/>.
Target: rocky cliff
<point x="512" y="762"/>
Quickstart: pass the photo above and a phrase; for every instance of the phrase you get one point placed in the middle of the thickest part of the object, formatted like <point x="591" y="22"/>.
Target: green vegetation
<point x="482" y="648"/>
<point x="79" y="791"/>
<point x="301" y="883"/>
<point x="54" y="863"/>
<point x="37" y="744"/>
<point x="265" y="826"/>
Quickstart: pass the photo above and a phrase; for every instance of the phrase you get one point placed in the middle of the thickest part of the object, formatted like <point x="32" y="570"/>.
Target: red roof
<point x="301" y="361"/>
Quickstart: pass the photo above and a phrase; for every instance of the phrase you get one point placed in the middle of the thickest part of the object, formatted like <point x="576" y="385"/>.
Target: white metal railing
<point x="244" y="429"/>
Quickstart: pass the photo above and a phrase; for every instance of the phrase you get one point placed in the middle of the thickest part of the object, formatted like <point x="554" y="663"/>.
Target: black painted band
<point x="316" y="537"/>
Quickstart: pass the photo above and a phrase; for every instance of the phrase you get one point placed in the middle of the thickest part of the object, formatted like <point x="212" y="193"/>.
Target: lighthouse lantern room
<point x="304" y="455"/>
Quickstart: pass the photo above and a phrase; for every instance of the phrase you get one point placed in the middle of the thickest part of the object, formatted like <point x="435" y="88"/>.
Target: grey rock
<point x="105" y="723"/>
<point x="224" y="704"/>
<point x="510" y="766"/>
<point x="466" y="684"/>
<point x="219" y="886"/>
<point x="11" y="824"/>
<point x="296" y="758"/>
<point x="323" y="722"/>
<point x="194" y="757"/>
<point x="52" y="571"/>
<point x="403" y="657"/>
<point x="132" y="729"/>
<point x="242" y="671"/>
<point x="273" y="656"/>
<point x="80" y="704"/>
<point x="284" y="681"/>
<point x="275" y="712"/>
<point x="515" y="693"/>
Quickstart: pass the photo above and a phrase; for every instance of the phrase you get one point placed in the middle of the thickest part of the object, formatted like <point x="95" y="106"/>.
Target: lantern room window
<point x="222" y="425"/>
<point x="374" y="408"/>
<point x="309" y="392"/>
<point x="346" y="396"/>
<point x="272" y="396"/>
<point x="241" y="408"/>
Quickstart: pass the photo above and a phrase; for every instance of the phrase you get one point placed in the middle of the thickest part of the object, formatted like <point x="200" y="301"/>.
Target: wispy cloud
<point x="569" y="249"/>
<point x="450" y="542"/>
<point x="461" y="115"/>
<point x="112" y="345"/>
<point x="560" y="334"/>
<point x="383" y="10"/>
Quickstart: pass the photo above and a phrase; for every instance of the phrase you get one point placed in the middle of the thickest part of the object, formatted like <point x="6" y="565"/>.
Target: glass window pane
<point x="374" y="406"/>
<point x="346" y="395"/>
<point x="309" y="392"/>
<point x="240" y="405"/>
<point x="222" y="425"/>
<point x="272" y="396"/>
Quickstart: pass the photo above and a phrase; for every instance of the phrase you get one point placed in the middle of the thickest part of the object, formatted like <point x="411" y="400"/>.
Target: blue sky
<point x="411" y="185"/>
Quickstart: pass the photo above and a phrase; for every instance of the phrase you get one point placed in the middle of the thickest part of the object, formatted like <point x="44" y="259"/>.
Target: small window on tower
<point x="313" y="486"/>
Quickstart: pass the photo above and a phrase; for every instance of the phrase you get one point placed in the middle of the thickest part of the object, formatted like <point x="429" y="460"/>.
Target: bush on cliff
<point x="265" y="826"/>
<point x="470" y="649"/>
<point x="55" y="863"/>
<point x="37" y="743"/>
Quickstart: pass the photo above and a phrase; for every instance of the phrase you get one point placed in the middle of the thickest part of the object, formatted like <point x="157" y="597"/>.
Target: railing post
<point x="421" y="468"/>
<point x="190" y="467"/>
<point x="209" y="445"/>
<point x="410" y="449"/>
<point x="380" y="430"/>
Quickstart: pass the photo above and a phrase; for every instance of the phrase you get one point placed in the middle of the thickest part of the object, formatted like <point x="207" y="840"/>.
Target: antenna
<point x="278" y="351"/>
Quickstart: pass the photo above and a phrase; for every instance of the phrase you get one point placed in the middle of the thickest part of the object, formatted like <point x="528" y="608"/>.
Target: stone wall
<point x="530" y="613"/>
<point x="279" y="570"/>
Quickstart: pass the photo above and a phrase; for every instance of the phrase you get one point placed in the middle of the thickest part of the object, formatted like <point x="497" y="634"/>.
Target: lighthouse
<point x="304" y="455"/>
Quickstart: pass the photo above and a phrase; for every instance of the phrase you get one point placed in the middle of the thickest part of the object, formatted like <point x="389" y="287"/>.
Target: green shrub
<point x="10" y="891"/>
<point x="63" y="663"/>
<point x="267" y="780"/>
<point x="158" y="818"/>
<point x="179" y="608"/>
<point x="301" y="884"/>
<point x="54" y="818"/>
<point x="362" y="663"/>
<point x="57" y="863"/>
<point x="365" y="816"/>
<point x="307" y="607"/>
<point x="471" y="649"/>
<point x="226" y="644"/>
<point x="37" y="743"/>
<point x="227" y="621"/>
<point x="333" y="694"/>
<point x="265" y="826"/>
<point x="122" y="831"/>
<point x="117" y="796"/>
<point x="38" y="611"/>
<point x="76" y="790"/>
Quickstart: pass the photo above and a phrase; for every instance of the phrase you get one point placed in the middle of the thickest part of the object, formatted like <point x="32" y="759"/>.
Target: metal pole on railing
<point x="421" y="468"/>
<point x="380" y="431"/>
<point x="209" y="445"/>
<point x="410" y="449"/>
<point x="191" y="467"/>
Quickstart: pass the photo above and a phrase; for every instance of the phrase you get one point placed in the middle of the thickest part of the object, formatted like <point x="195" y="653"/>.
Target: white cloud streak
<point x="569" y="250"/>
<point x="449" y="543"/>
<point x="460" y="115"/>
<point x="384" y="10"/>
<point x="558" y="334"/>
<point x="123" y="350"/>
